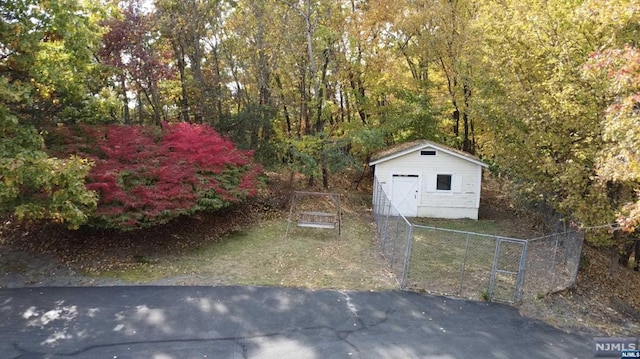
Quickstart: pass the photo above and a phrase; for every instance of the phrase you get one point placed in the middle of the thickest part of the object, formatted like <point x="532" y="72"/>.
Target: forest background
<point x="547" y="92"/>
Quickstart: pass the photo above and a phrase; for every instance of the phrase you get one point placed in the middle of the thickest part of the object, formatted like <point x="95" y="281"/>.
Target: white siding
<point x="464" y="196"/>
<point x="448" y="213"/>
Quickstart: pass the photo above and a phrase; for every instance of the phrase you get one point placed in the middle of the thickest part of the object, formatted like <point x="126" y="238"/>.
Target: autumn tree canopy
<point x="546" y="91"/>
<point x="47" y="74"/>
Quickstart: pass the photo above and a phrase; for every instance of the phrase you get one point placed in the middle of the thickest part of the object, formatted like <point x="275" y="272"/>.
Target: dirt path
<point x="21" y="268"/>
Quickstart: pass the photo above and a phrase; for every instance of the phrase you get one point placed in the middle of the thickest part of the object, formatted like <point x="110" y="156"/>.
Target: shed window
<point x="428" y="152"/>
<point x="443" y="183"/>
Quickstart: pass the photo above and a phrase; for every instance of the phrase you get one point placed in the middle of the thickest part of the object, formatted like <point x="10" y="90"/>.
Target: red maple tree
<point x="146" y="176"/>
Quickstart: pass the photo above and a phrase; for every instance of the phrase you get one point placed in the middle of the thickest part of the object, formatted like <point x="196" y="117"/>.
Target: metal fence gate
<point x="507" y="272"/>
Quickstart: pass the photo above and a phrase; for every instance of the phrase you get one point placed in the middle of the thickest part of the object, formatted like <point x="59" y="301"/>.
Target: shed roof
<point x="408" y="147"/>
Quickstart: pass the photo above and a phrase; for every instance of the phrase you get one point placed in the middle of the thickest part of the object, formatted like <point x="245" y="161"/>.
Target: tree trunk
<point x="153" y="99"/>
<point x="456" y="120"/>
<point x="359" y="92"/>
<point x="284" y="104"/>
<point x="195" y="58"/>
<point x="625" y="256"/>
<point x="304" y="126"/>
<point x="320" y="95"/>
<point x="264" y="92"/>
<point x="614" y="254"/>
<point x="614" y="261"/>
<point x="125" y="100"/>
<point x="140" y="111"/>
<point x="467" y="140"/>
<point x="158" y="113"/>
<point x="184" y="102"/>
<point x="313" y="70"/>
<point x="217" y="85"/>
<point x="325" y="176"/>
<point x="342" y="112"/>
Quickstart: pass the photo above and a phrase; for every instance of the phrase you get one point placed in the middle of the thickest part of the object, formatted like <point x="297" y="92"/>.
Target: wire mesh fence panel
<point x="436" y="259"/>
<point x="394" y="233"/>
<point x="567" y="259"/>
<point x="381" y="208"/>
<point x="451" y="262"/>
<point x="478" y="264"/>
<point x="552" y="263"/>
<point x="396" y="251"/>
<point x="539" y="267"/>
<point x="383" y="224"/>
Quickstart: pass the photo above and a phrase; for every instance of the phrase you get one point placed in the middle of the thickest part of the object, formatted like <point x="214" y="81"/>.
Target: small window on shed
<point x="443" y="183"/>
<point x="428" y="152"/>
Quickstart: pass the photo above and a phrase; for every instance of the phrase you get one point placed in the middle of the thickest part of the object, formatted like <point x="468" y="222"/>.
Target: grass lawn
<point x="261" y="255"/>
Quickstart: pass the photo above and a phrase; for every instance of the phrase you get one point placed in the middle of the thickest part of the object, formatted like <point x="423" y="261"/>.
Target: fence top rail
<point x="553" y="235"/>
<point x="406" y="221"/>
<point x="471" y="233"/>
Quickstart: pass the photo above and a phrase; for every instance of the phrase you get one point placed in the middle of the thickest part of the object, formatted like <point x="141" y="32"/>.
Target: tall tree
<point x="193" y="28"/>
<point x="619" y="161"/>
<point x="46" y="77"/>
<point x="132" y="47"/>
<point x="451" y="29"/>
<point x="545" y="116"/>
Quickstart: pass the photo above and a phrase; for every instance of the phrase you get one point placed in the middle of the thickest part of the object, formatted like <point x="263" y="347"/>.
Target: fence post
<point x="553" y="265"/>
<point x="407" y="258"/>
<point x="374" y="201"/>
<point x="385" y="235"/>
<point x="393" y="244"/>
<point x="522" y="272"/>
<point x="494" y="267"/>
<point x="577" y="262"/>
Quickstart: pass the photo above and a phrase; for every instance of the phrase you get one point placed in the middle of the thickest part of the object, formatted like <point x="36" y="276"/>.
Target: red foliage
<point x="147" y="177"/>
<point x="130" y="45"/>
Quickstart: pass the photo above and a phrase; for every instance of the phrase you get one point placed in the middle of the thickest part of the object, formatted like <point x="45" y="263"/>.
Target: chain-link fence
<point x="552" y="263"/>
<point x="394" y="233"/>
<point x="473" y="265"/>
<point x="450" y="262"/>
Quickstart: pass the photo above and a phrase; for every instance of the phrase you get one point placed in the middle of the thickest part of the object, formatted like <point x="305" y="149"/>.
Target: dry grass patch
<point x="261" y="255"/>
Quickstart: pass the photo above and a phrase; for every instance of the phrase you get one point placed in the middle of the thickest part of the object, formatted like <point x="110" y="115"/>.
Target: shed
<point x="427" y="179"/>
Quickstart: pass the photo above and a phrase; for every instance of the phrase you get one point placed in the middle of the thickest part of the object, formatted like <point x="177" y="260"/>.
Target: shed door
<point x="404" y="194"/>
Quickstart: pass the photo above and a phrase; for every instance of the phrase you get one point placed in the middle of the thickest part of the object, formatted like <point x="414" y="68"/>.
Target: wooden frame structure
<point x="316" y="219"/>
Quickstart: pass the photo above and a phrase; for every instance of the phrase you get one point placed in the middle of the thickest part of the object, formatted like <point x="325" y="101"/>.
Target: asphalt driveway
<point x="267" y="322"/>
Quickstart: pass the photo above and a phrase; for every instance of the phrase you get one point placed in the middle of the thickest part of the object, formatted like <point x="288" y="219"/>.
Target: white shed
<point x="426" y="179"/>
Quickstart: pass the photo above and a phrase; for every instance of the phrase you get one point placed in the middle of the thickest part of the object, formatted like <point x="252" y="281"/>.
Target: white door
<point x="404" y="194"/>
